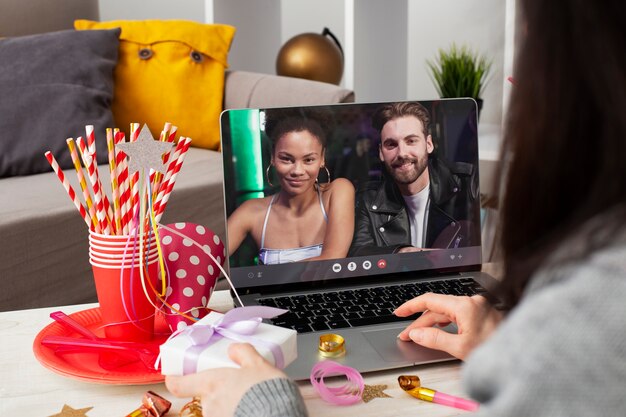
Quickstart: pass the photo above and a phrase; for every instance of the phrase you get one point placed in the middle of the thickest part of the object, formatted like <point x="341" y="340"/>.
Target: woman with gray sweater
<point x="561" y="348"/>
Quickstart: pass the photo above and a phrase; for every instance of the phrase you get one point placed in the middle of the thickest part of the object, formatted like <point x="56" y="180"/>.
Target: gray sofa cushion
<point x="52" y="86"/>
<point x="251" y="89"/>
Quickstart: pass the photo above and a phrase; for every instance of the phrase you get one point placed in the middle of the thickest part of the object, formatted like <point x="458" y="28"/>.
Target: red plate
<point x="85" y="366"/>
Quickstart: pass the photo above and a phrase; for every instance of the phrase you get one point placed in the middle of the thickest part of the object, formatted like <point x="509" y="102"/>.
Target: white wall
<point x="258" y="37"/>
<point x="436" y="24"/>
<point x="380" y="50"/>
<point x="392" y="39"/>
<point x="151" y="9"/>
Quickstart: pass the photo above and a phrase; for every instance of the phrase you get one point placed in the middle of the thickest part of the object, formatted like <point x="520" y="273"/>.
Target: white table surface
<point x="29" y="389"/>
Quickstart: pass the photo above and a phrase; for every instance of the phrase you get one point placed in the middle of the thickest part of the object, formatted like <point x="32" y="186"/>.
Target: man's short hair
<point x="396" y="110"/>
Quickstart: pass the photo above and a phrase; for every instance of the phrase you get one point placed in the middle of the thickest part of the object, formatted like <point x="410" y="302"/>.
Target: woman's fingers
<point x="193" y="385"/>
<point x="245" y="355"/>
<point x="434" y="338"/>
<point x="438" y="303"/>
<point x="427" y="319"/>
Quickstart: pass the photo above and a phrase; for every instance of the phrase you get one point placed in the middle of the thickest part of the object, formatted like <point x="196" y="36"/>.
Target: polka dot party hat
<point x="192" y="274"/>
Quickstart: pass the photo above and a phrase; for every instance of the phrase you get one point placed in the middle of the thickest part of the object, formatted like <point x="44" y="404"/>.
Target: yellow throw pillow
<point x="170" y="71"/>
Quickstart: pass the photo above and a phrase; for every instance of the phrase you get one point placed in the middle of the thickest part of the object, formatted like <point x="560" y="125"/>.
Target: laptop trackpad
<point x="392" y="349"/>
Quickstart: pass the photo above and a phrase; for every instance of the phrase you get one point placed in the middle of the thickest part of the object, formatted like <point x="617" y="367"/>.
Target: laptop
<point x="354" y="295"/>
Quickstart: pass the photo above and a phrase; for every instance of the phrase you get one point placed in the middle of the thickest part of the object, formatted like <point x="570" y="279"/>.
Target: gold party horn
<point x="412" y="385"/>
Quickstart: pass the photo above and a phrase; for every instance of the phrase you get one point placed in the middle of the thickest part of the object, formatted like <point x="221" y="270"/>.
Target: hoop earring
<point x="267" y="175"/>
<point x="327" y="175"/>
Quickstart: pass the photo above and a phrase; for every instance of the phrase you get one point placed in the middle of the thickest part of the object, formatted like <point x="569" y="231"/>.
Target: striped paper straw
<point x="83" y="184"/>
<point x="134" y="178"/>
<point x="114" y="187"/>
<point x="172" y="180"/>
<point x="91" y="146"/>
<point x="124" y="183"/>
<point x="91" y="140"/>
<point x="172" y="135"/>
<point x="92" y="172"/>
<point x="155" y="176"/>
<point x="174" y="154"/>
<point x="68" y="188"/>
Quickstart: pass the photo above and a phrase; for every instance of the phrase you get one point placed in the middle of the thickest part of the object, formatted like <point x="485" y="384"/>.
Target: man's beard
<point x="410" y="176"/>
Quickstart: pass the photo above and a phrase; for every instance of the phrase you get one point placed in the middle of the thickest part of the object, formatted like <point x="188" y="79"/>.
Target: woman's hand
<point x="474" y="317"/>
<point x="221" y="389"/>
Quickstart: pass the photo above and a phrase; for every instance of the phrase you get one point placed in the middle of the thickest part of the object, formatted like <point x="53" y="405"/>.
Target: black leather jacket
<point x="382" y="222"/>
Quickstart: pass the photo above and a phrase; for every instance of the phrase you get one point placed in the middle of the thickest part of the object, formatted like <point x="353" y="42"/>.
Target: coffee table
<point x="29" y="389"/>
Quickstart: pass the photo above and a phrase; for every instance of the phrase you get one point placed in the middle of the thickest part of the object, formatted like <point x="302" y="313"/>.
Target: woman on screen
<point x="306" y="219"/>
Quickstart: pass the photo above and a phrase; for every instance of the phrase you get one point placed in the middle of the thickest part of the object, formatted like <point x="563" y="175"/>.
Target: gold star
<point x="70" y="412"/>
<point x="145" y="152"/>
<point x="374" y="391"/>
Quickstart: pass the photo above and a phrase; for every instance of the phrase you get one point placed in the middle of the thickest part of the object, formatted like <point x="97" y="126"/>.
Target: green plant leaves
<point x="459" y="72"/>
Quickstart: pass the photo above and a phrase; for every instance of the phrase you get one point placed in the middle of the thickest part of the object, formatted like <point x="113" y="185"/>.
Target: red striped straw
<point x="172" y="134"/>
<point x="68" y="188"/>
<point x="91" y="146"/>
<point x="124" y="182"/>
<point x="172" y="179"/>
<point x="91" y="139"/>
<point x="155" y="176"/>
<point x="92" y="172"/>
<point x="114" y="186"/>
<point x="174" y="154"/>
<point x="134" y="179"/>
<point x="83" y="184"/>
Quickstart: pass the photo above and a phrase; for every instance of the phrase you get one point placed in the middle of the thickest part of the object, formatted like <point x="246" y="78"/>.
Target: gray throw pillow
<point x="51" y="86"/>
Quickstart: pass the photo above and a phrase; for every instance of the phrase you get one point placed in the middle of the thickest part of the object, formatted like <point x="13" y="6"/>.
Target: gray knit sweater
<point x="274" y="398"/>
<point x="560" y="352"/>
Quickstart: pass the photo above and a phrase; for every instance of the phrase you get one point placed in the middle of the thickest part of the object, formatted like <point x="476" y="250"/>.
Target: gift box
<point x="204" y="345"/>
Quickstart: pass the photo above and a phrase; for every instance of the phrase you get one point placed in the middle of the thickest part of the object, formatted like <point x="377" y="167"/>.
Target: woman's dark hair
<point x="317" y="121"/>
<point x="565" y="137"/>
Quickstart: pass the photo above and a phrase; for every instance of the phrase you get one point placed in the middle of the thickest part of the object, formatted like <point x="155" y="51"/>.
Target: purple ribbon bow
<point x="239" y="324"/>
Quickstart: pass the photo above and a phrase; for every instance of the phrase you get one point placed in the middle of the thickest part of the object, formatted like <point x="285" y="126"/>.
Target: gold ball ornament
<point x="312" y="56"/>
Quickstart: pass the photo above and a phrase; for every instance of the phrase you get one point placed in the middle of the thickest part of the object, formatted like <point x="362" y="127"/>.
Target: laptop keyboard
<point x="358" y="307"/>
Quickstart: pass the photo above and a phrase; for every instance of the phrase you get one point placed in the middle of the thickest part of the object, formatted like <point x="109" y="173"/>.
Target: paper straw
<point x="114" y="187"/>
<point x="134" y="178"/>
<point x="172" y="134"/>
<point x="156" y="177"/>
<point x="123" y="182"/>
<point x="68" y="188"/>
<point x="83" y="184"/>
<point x="91" y="146"/>
<point x="174" y="155"/>
<point x="172" y="180"/>
<point x="92" y="172"/>
<point x="91" y="140"/>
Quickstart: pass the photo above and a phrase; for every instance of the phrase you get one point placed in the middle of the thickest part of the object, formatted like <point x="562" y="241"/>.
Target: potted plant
<point x="460" y="72"/>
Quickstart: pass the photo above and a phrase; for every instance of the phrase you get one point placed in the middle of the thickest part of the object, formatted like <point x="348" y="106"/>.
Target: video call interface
<point x="450" y="237"/>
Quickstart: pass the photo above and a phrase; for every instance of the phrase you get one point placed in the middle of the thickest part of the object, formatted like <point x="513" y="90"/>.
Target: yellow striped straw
<point x="83" y="184"/>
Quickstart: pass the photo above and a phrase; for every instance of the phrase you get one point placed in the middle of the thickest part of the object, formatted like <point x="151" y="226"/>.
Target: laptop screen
<point x="325" y="195"/>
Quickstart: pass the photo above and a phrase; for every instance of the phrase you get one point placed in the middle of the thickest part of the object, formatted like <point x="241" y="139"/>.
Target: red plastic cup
<point x="127" y="312"/>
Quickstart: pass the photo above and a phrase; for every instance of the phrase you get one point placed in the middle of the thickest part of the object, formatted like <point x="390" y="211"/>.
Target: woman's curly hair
<point x="316" y="120"/>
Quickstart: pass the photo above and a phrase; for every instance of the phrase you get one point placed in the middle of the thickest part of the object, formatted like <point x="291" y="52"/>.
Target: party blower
<point x="411" y="384"/>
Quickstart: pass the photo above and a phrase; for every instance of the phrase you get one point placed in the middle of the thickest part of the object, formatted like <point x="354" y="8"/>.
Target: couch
<point x="43" y="241"/>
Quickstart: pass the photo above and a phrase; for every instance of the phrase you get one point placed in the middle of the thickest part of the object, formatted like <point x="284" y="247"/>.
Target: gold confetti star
<point x="374" y="391"/>
<point x="70" y="412"/>
<point x="145" y="152"/>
